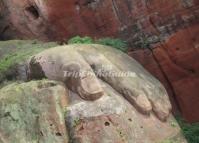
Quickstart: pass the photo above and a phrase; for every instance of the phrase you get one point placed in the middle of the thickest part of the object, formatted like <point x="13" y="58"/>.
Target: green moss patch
<point x="115" y="43"/>
<point x="190" y="131"/>
<point x="30" y="112"/>
<point x="16" y="51"/>
<point x="81" y="40"/>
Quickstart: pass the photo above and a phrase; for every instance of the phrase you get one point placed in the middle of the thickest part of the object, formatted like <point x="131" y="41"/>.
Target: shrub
<point x="14" y="52"/>
<point x="190" y="131"/>
<point x="115" y="43"/>
<point x="80" y="40"/>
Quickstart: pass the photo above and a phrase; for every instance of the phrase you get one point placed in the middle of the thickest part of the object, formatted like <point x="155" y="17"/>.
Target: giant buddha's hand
<point x="80" y="66"/>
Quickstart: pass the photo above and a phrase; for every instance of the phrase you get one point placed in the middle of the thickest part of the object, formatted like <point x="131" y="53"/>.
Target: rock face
<point x="136" y="21"/>
<point x="51" y="111"/>
<point x="117" y="69"/>
<point x="15" y="52"/>
<point x="176" y="64"/>
<point x="140" y="22"/>
<point x="112" y="119"/>
<point x="35" y="112"/>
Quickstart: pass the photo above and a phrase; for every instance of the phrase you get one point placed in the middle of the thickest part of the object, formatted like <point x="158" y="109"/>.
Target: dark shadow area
<point x="33" y="11"/>
<point x="2" y="37"/>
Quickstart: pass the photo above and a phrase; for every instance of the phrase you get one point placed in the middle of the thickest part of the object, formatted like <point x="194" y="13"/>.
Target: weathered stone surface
<point x="56" y="63"/>
<point x="139" y="22"/>
<point x="13" y="53"/>
<point x="139" y="87"/>
<point x="132" y="20"/>
<point x="176" y="64"/>
<point x="146" y="58"/>
<point x="112" y="119"/>
<point x="33" y="112"/>
<point x="23" y="18"/>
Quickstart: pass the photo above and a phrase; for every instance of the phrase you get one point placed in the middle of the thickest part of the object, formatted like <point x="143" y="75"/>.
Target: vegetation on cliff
<point x="116" y="43"/>
<point x="190" y="131"/>
<point x="15" y="51"/>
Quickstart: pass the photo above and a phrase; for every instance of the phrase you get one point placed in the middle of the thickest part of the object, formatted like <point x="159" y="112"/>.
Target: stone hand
<point x="142" y="90"/>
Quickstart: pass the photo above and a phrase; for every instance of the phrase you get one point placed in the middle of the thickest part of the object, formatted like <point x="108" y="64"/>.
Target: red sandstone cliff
<point x="131" y="20"/>
<point x="176" y="63"/>
<point x="170" y="26"/>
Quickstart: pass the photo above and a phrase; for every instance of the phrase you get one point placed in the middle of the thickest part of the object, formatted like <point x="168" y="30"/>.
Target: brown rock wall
<point x="177" y="60"/>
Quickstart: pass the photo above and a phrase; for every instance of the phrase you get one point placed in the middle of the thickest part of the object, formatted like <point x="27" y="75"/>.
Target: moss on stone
<point x="190" y="131"/>
<point x="15" y="51"/>
<point x="169" y="141"/>
<point x="115" y="43"/>
<point x="26" y="115"/>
